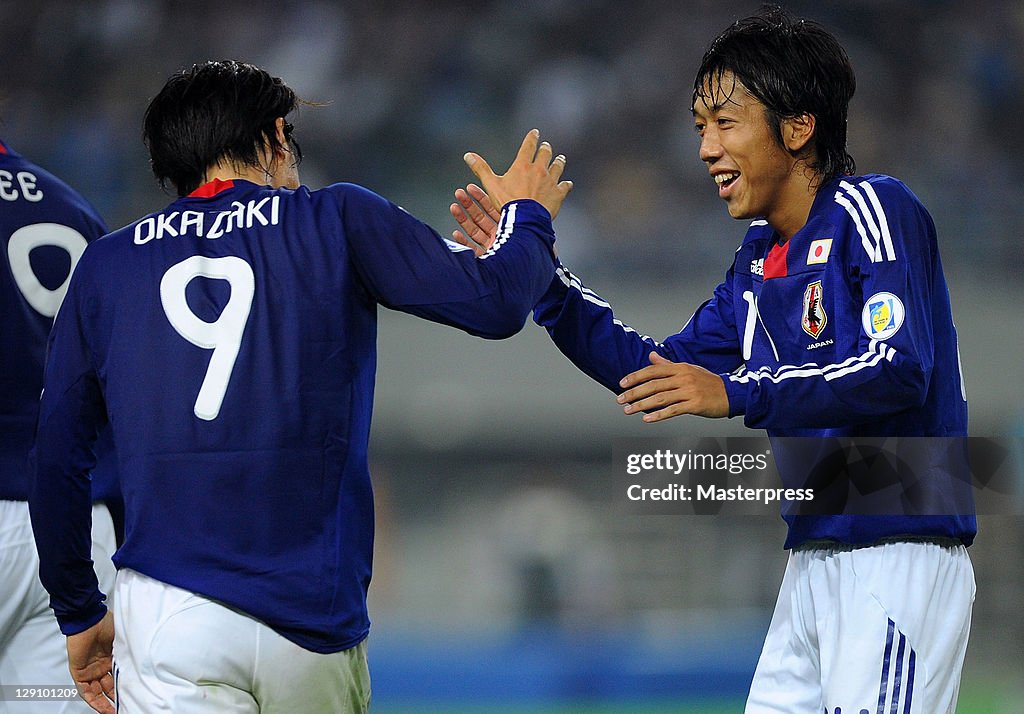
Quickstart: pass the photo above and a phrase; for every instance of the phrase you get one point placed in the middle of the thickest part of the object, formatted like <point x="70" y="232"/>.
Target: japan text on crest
<point x="813" y="317"/>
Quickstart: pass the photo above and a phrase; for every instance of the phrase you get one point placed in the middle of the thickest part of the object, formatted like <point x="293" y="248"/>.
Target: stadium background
<point x="504" y="580"/>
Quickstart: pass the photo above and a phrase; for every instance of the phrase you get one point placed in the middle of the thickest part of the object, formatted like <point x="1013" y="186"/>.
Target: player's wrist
<point x="737" y="395"/>
<point x="80" y="622"/>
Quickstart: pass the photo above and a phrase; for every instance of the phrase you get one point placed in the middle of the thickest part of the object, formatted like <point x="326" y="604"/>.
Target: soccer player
<point x="229" y="340"/>
<point x="833" y="321"/>
<point x="44" y="227"/>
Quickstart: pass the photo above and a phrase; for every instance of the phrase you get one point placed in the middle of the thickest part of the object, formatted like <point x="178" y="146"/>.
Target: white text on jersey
<point x="182" y="223"/>
<point x="27" y="183"/>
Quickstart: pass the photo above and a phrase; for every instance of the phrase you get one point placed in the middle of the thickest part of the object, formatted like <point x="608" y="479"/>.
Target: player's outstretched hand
<point x="533" y="174"/>
<point x="90" y="659"/>
<point x="667" y="389"/>
<point x="477" y="217"/>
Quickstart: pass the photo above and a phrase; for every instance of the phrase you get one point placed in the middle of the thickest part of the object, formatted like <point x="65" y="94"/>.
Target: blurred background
<point x="505" y="578"/>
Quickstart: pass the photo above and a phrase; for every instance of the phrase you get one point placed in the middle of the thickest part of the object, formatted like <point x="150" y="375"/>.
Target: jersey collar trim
<point x="208" y="190"/>
<point x="775" y="262"/>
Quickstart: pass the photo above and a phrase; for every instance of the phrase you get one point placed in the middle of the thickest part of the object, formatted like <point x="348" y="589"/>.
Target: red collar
<point x="208" y="190"/>
<point x="775" y="261"/>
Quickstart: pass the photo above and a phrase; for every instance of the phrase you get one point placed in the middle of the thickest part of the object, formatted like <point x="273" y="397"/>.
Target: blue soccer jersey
<point x="230" y="341"/>
<point x="44" y="228"/>
<point x="844" y="330"/>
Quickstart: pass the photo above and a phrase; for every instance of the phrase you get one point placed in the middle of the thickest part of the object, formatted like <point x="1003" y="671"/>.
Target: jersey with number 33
<point x="845" y="330"/>
<point x="44" y="228"/>
<point x="230" y="340"/>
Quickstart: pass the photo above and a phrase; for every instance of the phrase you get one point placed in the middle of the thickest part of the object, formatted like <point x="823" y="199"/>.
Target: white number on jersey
<point x="23" y="241"/>
<point x="224" y="335"/>
<point x="748" y="330"/>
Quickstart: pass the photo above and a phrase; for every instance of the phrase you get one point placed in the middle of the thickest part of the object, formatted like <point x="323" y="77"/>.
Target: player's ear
<point x="279" y="130"/>
<point x="797" y="132"/>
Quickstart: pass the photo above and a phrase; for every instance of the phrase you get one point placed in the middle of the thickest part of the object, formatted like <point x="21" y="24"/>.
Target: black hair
<point x="793" y="67"/>
<point x="214" y="111"/>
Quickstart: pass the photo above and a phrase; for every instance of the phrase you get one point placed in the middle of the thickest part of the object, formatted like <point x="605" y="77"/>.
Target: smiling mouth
<point x="724" y="180"/>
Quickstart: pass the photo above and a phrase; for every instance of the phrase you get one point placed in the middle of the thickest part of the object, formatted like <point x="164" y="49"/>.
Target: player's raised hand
<point x="90" y="659"/>
<point x="667" y="389"/>
<point x="477" y="217"/>
<point x="533" y="174"/>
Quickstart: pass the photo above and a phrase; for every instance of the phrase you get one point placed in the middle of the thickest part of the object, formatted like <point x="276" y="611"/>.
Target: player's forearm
<point x="517" y="269"/>
<point x="584" y="328"/>
<point x="491" y="295"/>
<point x="60" y="505"/>
<point x="71" y="412"/>
<point x="876" y="384"/>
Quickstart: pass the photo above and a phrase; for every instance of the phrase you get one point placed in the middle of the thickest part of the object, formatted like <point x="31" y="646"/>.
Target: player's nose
<point x="710" y="148"/>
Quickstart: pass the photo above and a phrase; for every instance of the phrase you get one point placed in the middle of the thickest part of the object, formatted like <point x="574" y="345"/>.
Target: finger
<point x="557" y="167"/>
<point x="482" y="238"/>
<point x="646" y="374"/>
<point x="471" y="217"/>
<point x="479" y="166"/>
<point x="107" y="685"/>
<point x="663" y="414"/>
<point x="642" y="390"/>
<point x="565" y="187"/>
<point x="647" y="389"/>
<point x="460" y="216"/>
<point x="477" y="214"/>
<point x="474" y="211"/>
<point x="460" y="237"/>
<point x="659" y="401"/>
<point x="493" y="210"/>
<point x="544" y="152"/>
<point x="92" y="695"/>
<point x="473" y="233"/>
<point x="655" y="397"/>
<point x="658" y="359"/>
<point x="460" y="210"/>
<point x="488" y="205"/>
<point x="528" y="147"/>
<point x="476" y="192"/>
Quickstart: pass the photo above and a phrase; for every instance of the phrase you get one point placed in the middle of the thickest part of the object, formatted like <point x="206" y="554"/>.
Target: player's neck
<point x="228" y="171"/>
<point x="794" y="204"/>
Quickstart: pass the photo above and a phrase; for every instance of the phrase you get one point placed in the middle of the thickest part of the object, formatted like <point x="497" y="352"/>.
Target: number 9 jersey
<point x="230" y="340"/>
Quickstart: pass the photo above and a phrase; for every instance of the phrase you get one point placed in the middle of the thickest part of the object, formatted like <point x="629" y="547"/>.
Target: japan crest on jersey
<point x="813" y="318"/>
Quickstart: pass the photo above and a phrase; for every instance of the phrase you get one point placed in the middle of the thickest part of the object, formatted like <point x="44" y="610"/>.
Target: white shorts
<point x="33" y="652"/>
<point x="175" y="651"/>
<point x="875" y="629"/>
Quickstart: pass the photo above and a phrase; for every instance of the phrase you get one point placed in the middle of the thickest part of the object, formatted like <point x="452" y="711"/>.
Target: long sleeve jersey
<point x="843" y="330"/>
<point x="230" y="341"/>
<point x="44" y="228"/>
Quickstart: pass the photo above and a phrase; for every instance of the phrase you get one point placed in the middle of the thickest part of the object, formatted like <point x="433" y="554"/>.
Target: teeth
<point x="722" y="178"/>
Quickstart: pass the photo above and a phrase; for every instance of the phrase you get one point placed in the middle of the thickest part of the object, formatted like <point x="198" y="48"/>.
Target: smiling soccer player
<point x="834" y="320"/>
